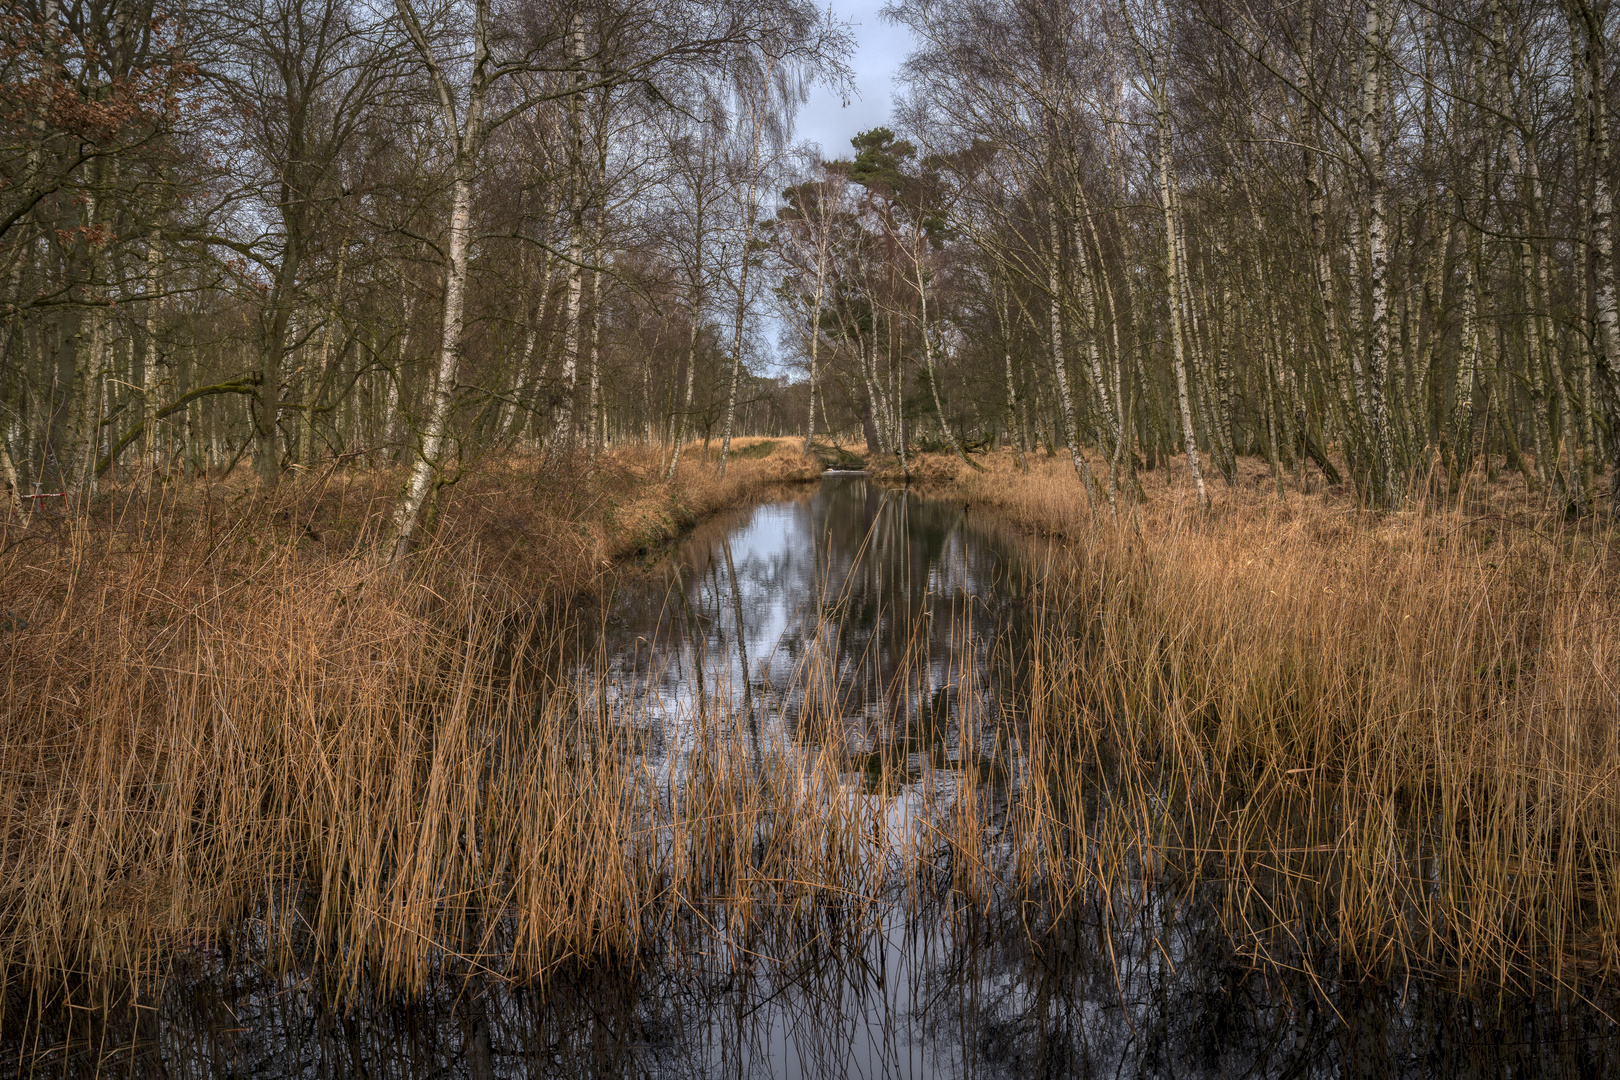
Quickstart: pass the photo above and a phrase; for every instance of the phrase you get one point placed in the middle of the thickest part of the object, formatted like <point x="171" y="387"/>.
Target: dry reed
<point x="219" y="706"/>
<point x="1382" y="743"/>
<point x="1389" y="740"/>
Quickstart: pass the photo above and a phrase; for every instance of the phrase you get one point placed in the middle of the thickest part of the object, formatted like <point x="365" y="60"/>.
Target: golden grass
<point x="218" y="705"/>
<point x="1392" y="739"/>
<point x="658" y="510"/>
<point x="1384" y="743"/>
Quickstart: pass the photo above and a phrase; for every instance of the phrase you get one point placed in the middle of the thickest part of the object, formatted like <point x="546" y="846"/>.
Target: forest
<point x="512" y="562"/>
<point x="1372" y="242"/>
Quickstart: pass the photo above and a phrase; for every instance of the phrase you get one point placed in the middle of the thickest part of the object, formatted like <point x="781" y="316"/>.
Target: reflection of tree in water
<point x="962" y="992"/>
<point x="877" y="603"/>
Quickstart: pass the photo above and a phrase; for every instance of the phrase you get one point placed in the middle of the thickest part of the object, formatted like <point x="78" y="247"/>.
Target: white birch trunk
<point x="149" y="364"/>
<point x="596" y="357"/>
<point x="1082" y="468"/>
<point x="737" y="340"/>
<point x="751" y="215"/>
<point x="563" y="436"/>
<point x="1099" y="384"/>
<point x="13" y="481"/>
<point x="1372" y="152"/>
<point x="1173" y="264"/>
<point x="1462" y="408"/>
<point x="928" y="344"/>
<point x="646" y="399"/>
<point x="882" y="419"/>
<point x="1002" y="320"/>
<point x="815" y="346"/>
<point x="686" y="404"/>
<point x="426" y="466"/>
<point x="86" y="442"/>
<point x="466" y="137"/>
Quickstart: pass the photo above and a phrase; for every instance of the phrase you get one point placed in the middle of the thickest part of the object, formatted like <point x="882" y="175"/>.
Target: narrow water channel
<point x="897" y="615"/>
<point x="897" y="625"/>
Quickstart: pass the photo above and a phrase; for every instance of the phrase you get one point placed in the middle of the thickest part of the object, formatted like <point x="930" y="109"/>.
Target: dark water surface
<point x="906" y="618"/>
<point x="885" y="607"/>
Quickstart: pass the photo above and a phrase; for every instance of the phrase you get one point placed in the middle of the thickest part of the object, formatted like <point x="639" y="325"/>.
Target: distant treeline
<point x="286" y="232"/>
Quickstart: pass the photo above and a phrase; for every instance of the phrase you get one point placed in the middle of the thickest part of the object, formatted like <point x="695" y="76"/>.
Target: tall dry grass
<point x="220" y="706"/>
<point x="1391" y="740"/>
<point x="1377" y="744"/>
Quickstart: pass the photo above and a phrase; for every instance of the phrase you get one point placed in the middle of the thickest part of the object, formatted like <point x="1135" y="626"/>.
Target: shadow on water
<point x="896" y="630"/>
<point x="919" y="993"/>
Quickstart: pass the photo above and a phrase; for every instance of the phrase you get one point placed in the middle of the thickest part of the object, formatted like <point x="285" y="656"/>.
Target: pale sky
<point x="880" y="50"/>
<point x="825" y="120"/>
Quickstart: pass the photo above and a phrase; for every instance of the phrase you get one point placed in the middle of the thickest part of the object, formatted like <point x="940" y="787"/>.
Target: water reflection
<point x="938" y="992"/>
<point x="875" y="605"/>
<point x="891" y="625"/>
<point x="747" y="599"/>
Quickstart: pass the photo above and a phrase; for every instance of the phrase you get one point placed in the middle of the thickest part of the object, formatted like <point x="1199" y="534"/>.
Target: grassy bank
<point x="219" y="705"/>
<point x="1378" y="744"/>
<point x="1390" y="738"/>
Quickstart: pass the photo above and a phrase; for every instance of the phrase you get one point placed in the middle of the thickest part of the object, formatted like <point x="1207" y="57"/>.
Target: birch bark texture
<point x="464" y="132"/>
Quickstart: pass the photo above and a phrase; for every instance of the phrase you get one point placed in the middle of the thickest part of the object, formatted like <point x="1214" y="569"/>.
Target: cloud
<point x="880" y="50"/>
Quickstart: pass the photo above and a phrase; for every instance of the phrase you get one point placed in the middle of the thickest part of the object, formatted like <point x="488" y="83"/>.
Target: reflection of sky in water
<point x="893" y="606"/>
<point x="886" y="601"/>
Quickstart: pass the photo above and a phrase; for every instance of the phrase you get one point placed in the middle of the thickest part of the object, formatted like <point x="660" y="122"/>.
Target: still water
<point x="900" y="615"/>
<point x="906" y="620"/>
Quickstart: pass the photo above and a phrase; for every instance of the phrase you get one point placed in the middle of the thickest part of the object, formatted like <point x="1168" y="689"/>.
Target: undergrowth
<point x="1383" y="743"/>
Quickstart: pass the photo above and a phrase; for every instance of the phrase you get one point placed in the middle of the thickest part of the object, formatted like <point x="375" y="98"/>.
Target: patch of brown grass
<point x="1385" y="742"/>
<point x="661" y="510"/>
<point x="218" y="705"/>
<point x="1397" y="730"/>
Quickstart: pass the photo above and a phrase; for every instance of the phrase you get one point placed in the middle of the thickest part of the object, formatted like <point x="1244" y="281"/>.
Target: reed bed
<point x="1376" y="745"/>
<point x="1389" y="741"/>
<point x="222" y="710"/>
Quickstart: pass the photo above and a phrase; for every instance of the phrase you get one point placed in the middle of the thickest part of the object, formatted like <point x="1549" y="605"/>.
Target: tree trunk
<point x="1173" y="265"/>
<point x="686" y="405"/>
<point x="562" y="442"/>
<point x="316" y="379"/>
<point x="1082" y="468"/>
<point x="815" y="346"/>
<point x="596" y="358"/>
<point x="928" y="347"/>
<point x="1601" y="217"/>
<point x="149" y="366"/>
<point x="1372" y="153"/>
<point x="442" y="395"/>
